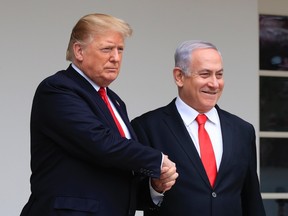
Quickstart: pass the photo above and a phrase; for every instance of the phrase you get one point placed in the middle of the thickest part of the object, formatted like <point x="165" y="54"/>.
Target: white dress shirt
<point x="212" y="127"/>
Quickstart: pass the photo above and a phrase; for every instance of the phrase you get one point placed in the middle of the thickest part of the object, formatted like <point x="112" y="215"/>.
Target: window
<point x="273" y="64"/>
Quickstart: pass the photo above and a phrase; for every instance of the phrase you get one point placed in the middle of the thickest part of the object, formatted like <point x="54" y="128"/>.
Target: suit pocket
<point x="76" y="204"/>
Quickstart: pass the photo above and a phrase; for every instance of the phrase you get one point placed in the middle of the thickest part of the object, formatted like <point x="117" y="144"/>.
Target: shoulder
<point x="65" y="79"/>
<point x="158" y="113"/>
<point x="63" y="76"/>
<point x="52" y="81"/>
<point x="233" y="119"/>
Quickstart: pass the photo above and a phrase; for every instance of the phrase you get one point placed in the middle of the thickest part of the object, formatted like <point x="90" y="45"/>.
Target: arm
<point x="70" y="118"/>
<point x="168" y="173"/>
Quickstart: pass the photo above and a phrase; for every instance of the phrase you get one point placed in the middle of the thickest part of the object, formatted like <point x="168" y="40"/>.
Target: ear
<point x="78" y="51"/>
<point x="178" y="76"/>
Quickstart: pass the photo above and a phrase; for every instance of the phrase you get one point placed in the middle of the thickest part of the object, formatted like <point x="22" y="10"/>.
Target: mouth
<point x="210" y="92"/>
<point x="112" y="69"/>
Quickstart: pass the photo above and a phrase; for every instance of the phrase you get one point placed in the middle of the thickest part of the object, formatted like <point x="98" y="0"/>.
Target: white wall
<point x="34" y="36"/>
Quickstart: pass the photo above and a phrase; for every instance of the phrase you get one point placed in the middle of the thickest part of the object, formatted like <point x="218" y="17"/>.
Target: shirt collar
<point x="95" y="86"/>
<point x="188" y="114"/>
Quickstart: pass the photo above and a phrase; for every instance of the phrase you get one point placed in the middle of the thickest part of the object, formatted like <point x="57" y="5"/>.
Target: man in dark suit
<point x="85" y="159"/>
<point x="173" y="129"/>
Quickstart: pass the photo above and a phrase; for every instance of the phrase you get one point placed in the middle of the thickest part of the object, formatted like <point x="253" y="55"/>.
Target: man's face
<point x="101" y="59"/>
<point x="202" y="89"/>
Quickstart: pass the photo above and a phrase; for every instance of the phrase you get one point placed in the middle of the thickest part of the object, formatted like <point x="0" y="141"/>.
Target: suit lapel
<point x="227" y="137"/>
<point x="122" y="111"/>
<point x="91" y="93"/>
<point x="178" y="129"/>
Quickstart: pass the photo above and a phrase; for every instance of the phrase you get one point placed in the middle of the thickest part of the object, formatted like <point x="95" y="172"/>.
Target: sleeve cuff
<point x="157" y="198"/>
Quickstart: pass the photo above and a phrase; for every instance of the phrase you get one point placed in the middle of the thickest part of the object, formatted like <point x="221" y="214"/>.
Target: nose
<point x="213" y="82"/>
<point x="115" y="55"/>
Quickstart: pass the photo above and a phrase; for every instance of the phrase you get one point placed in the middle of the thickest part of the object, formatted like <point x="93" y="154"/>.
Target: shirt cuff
<point x="157" y="198"/>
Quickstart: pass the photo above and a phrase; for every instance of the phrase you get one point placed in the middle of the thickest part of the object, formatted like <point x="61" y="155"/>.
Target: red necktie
<point x="206" y="149"/>
<point x="103" y="95"/>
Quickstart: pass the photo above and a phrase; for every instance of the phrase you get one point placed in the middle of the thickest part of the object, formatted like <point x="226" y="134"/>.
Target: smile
<point x="211" y="93"/>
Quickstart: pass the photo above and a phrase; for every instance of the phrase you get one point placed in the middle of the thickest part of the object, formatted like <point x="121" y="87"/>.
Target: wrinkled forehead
<point x="206" y="56"/>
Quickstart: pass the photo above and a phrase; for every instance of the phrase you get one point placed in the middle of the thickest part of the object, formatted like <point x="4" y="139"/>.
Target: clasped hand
<point x="167" y="178"/>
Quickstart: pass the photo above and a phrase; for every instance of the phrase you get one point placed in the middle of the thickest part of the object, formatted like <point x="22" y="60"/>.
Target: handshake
<point x="167" y="178"/>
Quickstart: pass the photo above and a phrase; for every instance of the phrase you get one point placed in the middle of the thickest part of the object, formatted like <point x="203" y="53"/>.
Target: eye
<point x="204" y="74"/>
<point x="219" y="75"/>
<point x="120" y="49"/>
<point x="106" y="49"/>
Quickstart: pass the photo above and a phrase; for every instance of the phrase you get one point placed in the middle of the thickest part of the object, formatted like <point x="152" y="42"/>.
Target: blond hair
<point x="90" y="25"/>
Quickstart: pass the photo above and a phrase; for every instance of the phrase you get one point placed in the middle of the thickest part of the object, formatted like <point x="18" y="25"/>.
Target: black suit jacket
<point x="80" y="164"/>
<point x="236" y="190"/>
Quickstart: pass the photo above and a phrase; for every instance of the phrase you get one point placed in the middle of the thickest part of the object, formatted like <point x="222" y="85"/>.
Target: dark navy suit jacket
<point x="236" y="190"/>
<point x="80" y="164"/>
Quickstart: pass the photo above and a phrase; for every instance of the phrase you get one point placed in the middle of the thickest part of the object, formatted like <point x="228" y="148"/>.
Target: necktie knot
<point x="102" y="92"/>
<point x="201" y="119"/>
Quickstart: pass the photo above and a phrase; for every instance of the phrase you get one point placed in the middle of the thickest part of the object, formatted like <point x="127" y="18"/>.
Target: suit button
<point x="214" y="194"/>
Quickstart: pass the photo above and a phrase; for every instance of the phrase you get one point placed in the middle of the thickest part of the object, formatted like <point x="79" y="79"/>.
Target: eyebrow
<point x="207" y="70"/>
